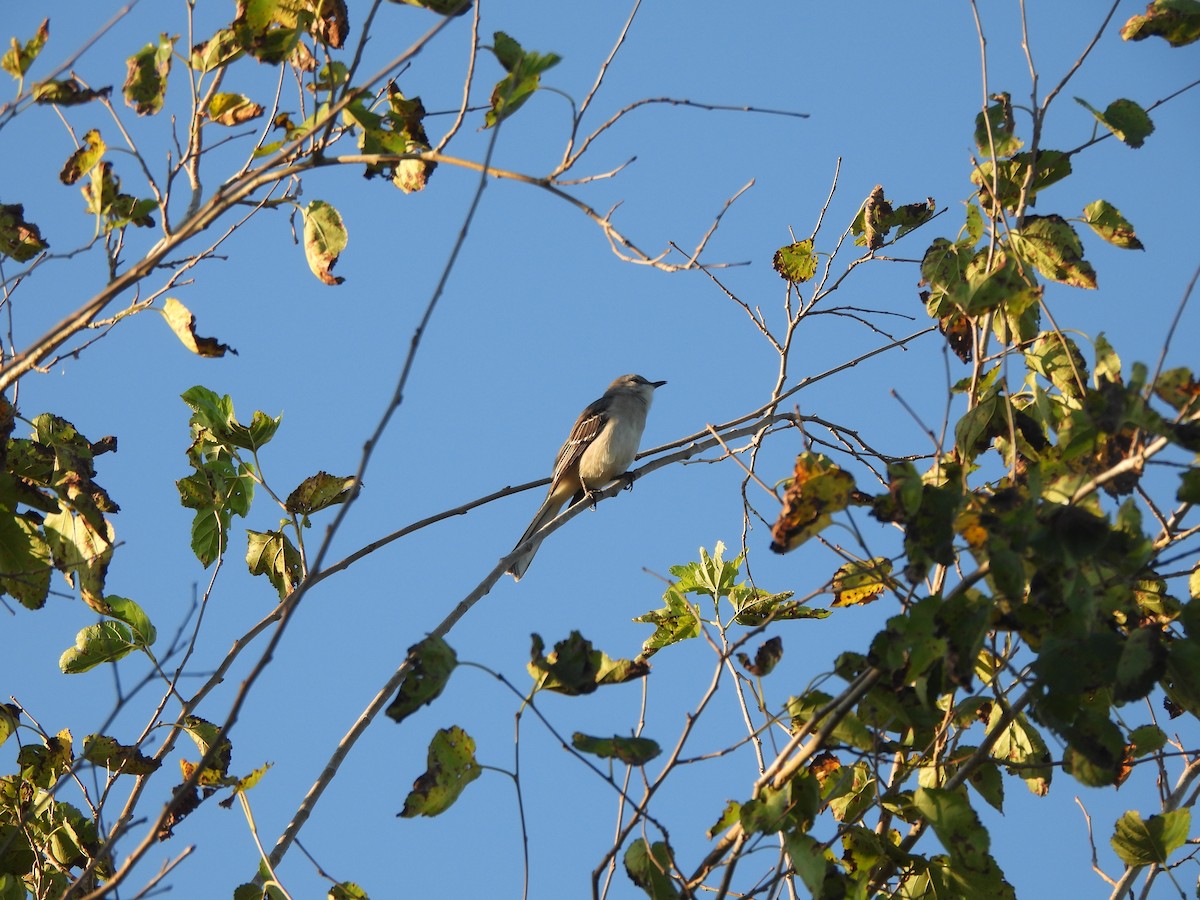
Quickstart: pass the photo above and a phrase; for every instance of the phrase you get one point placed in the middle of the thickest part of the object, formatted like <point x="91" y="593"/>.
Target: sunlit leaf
<point x="1006" y="182"/>
<point x="325" y="238"/>
<point x="524" y="68"/>
<point x="1175" y="21"/>
<point x="17" y="60"/>
<point x="818" y="489"/>
<point x="346" y="890"/>
<point x="1106" y="220"/>
<point x="24" y="561"/>
<point x="796" y="262"/>
<point x="183" y="323"/>
<point x="960" y="831"/>
<point x="1020" y="743"/>
<point x="1125" y="119"/>
<point x="677" y="621"/>
<point x="83" y="160"/>
<point x="1051" y="244"/>
<point x="273" y="554"/>
<point x="318" y="492"/>
<point x="122" y="608"/>
<point x="859" y="582"/>
<point x="451" y="766"/>
<point x="146" y="77"/>
<point x="219" y="50"/>
<point x="232" y="109"/>
<point x="1145" y="842"/>
<point x="95" y="645"/>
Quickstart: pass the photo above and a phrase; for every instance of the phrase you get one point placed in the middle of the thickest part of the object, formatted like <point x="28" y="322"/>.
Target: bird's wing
<point x="587" y="427"/>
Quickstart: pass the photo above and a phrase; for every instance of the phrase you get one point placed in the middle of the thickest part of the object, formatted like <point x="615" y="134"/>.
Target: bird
<point x="599" y="450"/>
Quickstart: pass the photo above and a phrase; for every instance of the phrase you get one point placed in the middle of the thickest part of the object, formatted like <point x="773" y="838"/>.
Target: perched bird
<point x="600" y="449"/>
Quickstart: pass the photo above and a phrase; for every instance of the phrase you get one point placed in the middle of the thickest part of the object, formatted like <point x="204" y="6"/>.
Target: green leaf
<point x="1144" y="842"/>
<point x="793" y="805"/>
<point x="124" y="609"/>
<point x="878" y="217"/>
<point x="219" y="50"/>
<point x="325" y="238"/>
<point x="441" y="7"/>
<point x="347" y="890"/>
<point x="986" y="779"/>
<point x="959" y="830"/>
<point x="633" y="751"/>
<point x="1147" y="739"/>
<point x="451" y="766"/>
<point x="1003" y="182"/>
<point x="796" y="262"/>
<point x="270" y="30"/>
<point x="1179" y="388"/>
<point x="849" y="730"/>
<point x="24" y="561"/>
<point x="146" y="76"/>
<point x="1175" y="21"/>
<point x="677" y="621"/>
<point x="104" y="199"/>
<point x="10" y="718"/>
<point x="117" y="758"/>
<point x="574" y="667"/>
<point x="524" y="68"/>
<point x="67" y="92"/>
<point x="20" y="240"/>
<point x="431" y="663"/>
<point x="729" y="817"/>
<point x="232" y="109"/>
<point x="755" y="606"/>
<point x="214" y="413"/>
<point x="994" y="128"/>
<point x="1143" y="662"/>
<point x="650" y="868"/>
<point x="1021" y="744"/>
<point x="273" y="554"/>
<point x="1125" y="119"/>
<point x="1051" y="244"/>
<point x="1189" y="486"/>
<point x="83" y="160"/>
<point x="204" y="734"/>
<point x="812" y="862"/>
<point x="318" y="492"/>
<point x="20" y="57"/>
<point x="1106" y="220"/>
<point x="81" y="552"/>
<point x="97" y="644"/>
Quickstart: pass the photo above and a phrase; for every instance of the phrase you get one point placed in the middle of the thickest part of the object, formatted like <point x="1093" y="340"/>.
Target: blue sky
<point x="538" y="316"/>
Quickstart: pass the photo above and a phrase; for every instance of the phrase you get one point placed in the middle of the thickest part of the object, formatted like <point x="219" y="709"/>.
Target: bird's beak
<point x="657" y="384"/>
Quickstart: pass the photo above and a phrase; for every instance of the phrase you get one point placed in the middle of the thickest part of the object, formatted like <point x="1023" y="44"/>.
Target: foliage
<point x="1033" y="592"/>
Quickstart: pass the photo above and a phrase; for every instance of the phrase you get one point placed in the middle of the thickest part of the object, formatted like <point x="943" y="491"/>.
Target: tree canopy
<point x="936" y="443"/>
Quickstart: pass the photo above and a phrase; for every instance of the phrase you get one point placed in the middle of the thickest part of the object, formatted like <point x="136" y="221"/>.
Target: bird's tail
<point x="545" y="513"/>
